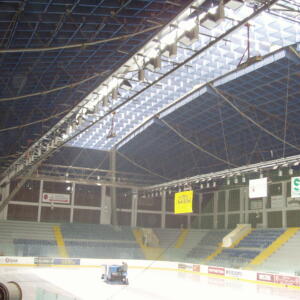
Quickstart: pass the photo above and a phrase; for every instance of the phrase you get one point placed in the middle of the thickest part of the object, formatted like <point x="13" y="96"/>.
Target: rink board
<point x="282" y="280"/>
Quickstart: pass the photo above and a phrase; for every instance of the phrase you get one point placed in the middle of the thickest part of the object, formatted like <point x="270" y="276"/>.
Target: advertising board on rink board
<point x="216" y="270"/>
<point x="233" y="273"/>
<point x="189" y="267"/>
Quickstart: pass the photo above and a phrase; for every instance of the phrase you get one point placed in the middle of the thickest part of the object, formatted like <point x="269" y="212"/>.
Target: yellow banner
<point x="183" y="202"/>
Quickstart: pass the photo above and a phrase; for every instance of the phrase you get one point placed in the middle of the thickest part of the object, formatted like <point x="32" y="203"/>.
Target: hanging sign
<point x="56" y="198"/>
<point x="258" y="188"/>
<point x="295" y="187"/>
<point x="183" y="202"/>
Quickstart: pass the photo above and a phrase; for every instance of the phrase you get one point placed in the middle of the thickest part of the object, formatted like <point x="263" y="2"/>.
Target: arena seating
<point x="27" y="238"/>
<point x="247" y="249"/>
<point x="207" y="245"/>
<point x="167" y="237"/>
<point x="96" y="232"/>
<point x="286" y="258"/>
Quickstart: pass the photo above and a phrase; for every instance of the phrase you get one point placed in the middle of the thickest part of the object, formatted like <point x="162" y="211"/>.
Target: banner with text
<point x="56" y="198"/>
<point x="183" y="202"/>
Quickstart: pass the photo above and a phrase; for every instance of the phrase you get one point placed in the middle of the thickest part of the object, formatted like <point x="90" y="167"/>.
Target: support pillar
<point x="215" y="211"/>
<point x="284" y="204"/>
<point x="105" y="216"/>
<point x="113" y="194"/>
<point x="40" y="200"/>
<point x="163" y="209"/>
<point x="264" y="213"/>
<point x="226" y="208"/>
<point x="4" y="194"/>
<point x="72" y="202"/>
<point x="134" y="206"/>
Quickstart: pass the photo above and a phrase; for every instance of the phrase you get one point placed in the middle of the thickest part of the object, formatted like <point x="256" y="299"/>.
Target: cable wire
<point x="197" y="146"/>
<point x="139" y="166"/>
<point x="217" y="91"/>
<point x="34" y="122"/>
<point x="80" y="45"/>
<point x="71" y="85"/>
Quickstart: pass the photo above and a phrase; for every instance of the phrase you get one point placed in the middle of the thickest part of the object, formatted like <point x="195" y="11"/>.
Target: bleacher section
<point x="285" y="259"/>
<point x="106" y="241"/>
<point x="96" y="232"/>
<point x="247" y="249"/>
<point x="27" y="239"/>
<point x="100" y="241"/>
<point x="208" y="244"/>
<point x="167" y="237"/>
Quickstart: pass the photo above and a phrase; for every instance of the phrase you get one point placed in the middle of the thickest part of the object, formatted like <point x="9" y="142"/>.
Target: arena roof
<point x="247" y="113"/>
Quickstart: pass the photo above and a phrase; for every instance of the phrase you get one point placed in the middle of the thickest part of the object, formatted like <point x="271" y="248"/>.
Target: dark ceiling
<point x="48" y="23"/>
<point x="266" y="113"/>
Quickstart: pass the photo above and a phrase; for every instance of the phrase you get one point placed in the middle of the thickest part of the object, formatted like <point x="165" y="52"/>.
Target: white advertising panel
<point x="295" y="187"/>
<point x="56" y="198"/>
<point x="258" y="188"/>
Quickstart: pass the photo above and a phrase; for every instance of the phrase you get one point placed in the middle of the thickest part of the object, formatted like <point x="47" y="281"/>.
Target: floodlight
<point x="154" y="64"/>
<point x="171" y="50"/>
<point x="126" y="85"/>
<point x="190" y="36"/>
<point x="210" y="21"/>
<point x="233" y="4"/>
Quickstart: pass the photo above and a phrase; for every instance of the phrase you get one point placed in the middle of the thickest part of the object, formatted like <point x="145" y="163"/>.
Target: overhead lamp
<point x="190" y="36"/>
<point x="233" y="4"/>
<point x="243" y="179"/>
<point x="98" y="177"/>
<point x="171" y="51"/>
<point x="154" y="63"/>
<point x="214" y="184"/>
<point x="291" y="171"/>
<point x="201" y="186"/>
<point x="279" y="173"/>
<point x="261" y="175"/>
<point x="228" y="181"/>
<point x="141" y="75"/>
<point x="236" y="180"/>
<point x="126" y="85"/>
<point x="207" y="185"/>
<point x="210" y="21"/>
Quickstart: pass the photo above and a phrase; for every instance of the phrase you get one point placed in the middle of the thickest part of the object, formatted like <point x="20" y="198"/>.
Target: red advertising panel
<point x="287" y="280"/>
<point x="216" y="270"/>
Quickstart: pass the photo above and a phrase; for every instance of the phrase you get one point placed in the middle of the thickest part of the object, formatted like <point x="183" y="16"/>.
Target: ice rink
<point x="86" y="283"/>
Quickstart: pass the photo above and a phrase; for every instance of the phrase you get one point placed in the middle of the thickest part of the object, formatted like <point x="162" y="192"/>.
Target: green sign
<point x="295" y="187"/>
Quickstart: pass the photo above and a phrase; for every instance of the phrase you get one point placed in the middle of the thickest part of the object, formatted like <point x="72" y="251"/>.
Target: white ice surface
<point x="143" y="284"/>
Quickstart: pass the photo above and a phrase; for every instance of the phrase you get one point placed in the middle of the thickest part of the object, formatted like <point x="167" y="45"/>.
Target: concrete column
<point x="40" y="200"/>
<point x="105" y="216"/>
<point x="242" y="206"/>
<point x="264" y="213"/>
<point x="246" y="197"/>
<point x="112" y="165"/>
<point x="72" y="202"/>
<point x="226" y="208"/>
<point x="134" y="205"/>
<point x="163" y="209"/>
<point x="4" y="193"/>
<point x="215" y="211"/>
<point x="284" y="204"/>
